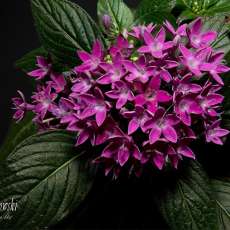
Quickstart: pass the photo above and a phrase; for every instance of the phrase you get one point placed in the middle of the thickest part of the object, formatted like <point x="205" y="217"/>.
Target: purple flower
<point x="96" y="105"/>
<point x="138" y="118"/>
<point x="155" y="46"/>
<point x="179" y="33"/>
<point x="121" y="149"/>
<point x="43" y="70"/>
<point x="138" y="31"/>
<point x="21" y="106"/>
<point x="82" y="84"/>
<point x="107" y="22"/>
<point x="58" y="82"/>
<point x="138" y="70"/>
<point x="162" y="123"/>
<point x="193" y="60"/>
<point x="199" y="39"/>
<point x="90" y="61"/>
<point x="114" y="72"/>
<point x="43" y="100"/>
<point x="63" y="111"/>
<point x="214" y="133"/>
<point x="215" y="67"/>
<point x="185" y="106"/>
<point x="121" y="93"/>
<point x="153" y="95"/>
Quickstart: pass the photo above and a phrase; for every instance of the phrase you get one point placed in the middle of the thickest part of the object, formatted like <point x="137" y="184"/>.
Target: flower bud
<point x="106" y="19"/>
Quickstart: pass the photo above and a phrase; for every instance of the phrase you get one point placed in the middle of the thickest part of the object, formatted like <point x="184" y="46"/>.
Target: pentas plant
<point x="145" y="98"/>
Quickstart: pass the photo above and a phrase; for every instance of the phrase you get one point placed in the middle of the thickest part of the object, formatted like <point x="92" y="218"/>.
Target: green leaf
<point x="218" y="24"/>
<point x="155" y="11"/>
<point x="187" y="203"/>
<point x="122" y="17"/>
<point x="28" y="62"/>
<point x="220" y="6"/>
<point x="222" y="191"/>
<point x="16" y="134"/>
<point x="148" y="6"/>
<point x="47" y="177"/>
<point x="64" y="28"/>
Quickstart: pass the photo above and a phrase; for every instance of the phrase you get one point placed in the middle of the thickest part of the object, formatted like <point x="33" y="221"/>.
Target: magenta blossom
<point x="141" y="101"/>
<point x="155" y="46"/>
<point x="197" y="38"/>
<point x="214" y="133"/>
<point x="90" y="61"/>
<point x="43" y="70"/>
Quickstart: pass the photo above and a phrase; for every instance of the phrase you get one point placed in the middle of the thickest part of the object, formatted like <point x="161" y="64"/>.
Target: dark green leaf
<point x="47" y="176"/>
<point x="155" y="11"/>
<point x="148" y="6"/>
<point x="218" y="24"/>
<point x="220" y="6"/>
<point x="28" y="62"/>
<point x="222" y="190"/>
<point x="16" y="134"/>
<point x="188" y="203"/>
<point x="64" y="28"/>
<point x="121" y="15"/>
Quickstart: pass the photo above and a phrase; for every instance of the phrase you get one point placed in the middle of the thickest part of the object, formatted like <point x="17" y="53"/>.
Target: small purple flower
<point x="138" y="118"/>
<point x="21" y="106"/>
<point x="96" y="105"/>
<point x="138" y="70"/>
<point x="43" y="100"/>
<point x="122" y="93"/>
<point x="58" y="82"/>
<point x="214" y="133"/>
<point x="90" y="61"/>
<point x="197" y="38"/>
<point x="153" y="95"/>
<point x="193" y="60"/>
<point x="215" y="67"/>
<point x="107" y="22"/>
<point x="63" y="111"/>
<point x="138" y="31"/>
<point x="82" y="84"/>
<point x="121" y="149"/>
<point x="185" y="106"/>
<point x="114" y="72"/>
<point x="162" y="123"/>
<point x="43" y="70"/>
<point x="155" y="46"/>
<point x="179" y="33"/>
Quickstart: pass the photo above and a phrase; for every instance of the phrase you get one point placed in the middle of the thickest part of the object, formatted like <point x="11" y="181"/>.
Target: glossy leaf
<point x="47" y="177"/>
<point x="121" y="15"/>
<point x="188" y="202"/>
<point x="222" y="191"/>
<point x="16" y="134"/>
<point x="64" y="28"/>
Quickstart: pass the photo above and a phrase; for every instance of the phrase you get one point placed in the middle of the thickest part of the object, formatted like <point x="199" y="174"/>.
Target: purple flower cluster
<point x="144" y="99"/>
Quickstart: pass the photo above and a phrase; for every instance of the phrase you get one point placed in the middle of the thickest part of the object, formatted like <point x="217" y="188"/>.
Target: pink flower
<point x="199" y="39"/>
<point x="43" y="70"/>
<point x="214" y="133"/>
<point x="90" y="61"/>
<point x="185" y="106"/>
<point x="96" y="105"/>
<point x="20" y="106"/>
<point x="162" y="124"/>
<point x="155" y="46"/>
<point x="193" y="61"/>
<point x="215" y="67"/>
<point x="121" y="93"/>
<point x="153" y="95"/>
<point x="138" y="31"/>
